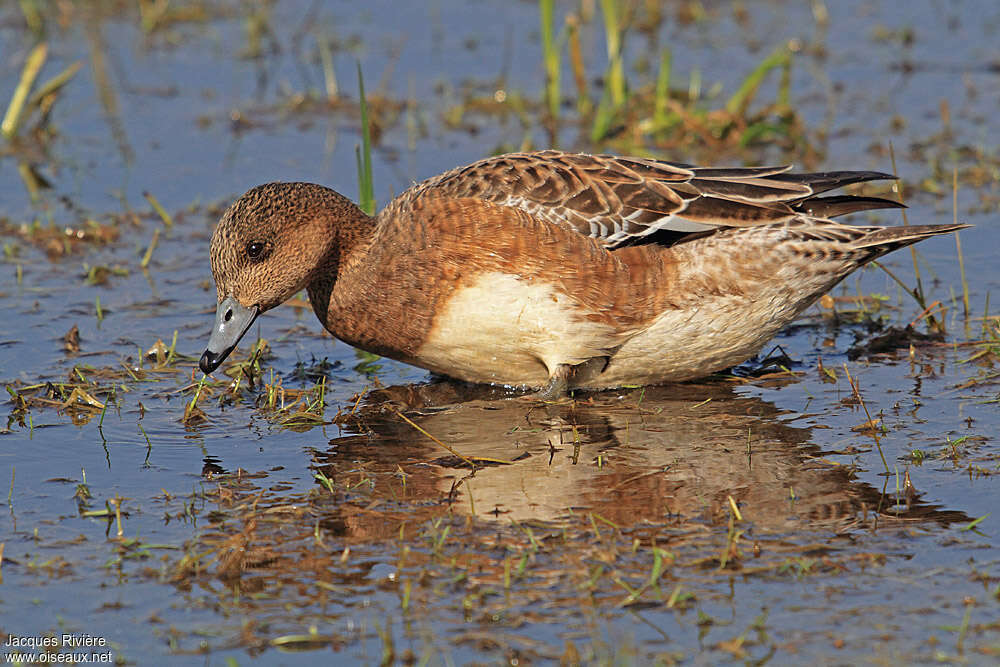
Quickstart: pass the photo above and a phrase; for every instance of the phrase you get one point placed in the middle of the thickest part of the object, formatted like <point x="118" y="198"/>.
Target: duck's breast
<point x="512" y="329"/>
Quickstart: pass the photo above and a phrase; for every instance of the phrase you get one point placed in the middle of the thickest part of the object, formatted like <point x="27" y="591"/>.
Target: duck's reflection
<point x="672" y="453"/>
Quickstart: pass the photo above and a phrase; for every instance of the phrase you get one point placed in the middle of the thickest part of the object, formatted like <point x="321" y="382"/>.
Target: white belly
<point x="509" y="330"/>
<point x="690" y="343"/>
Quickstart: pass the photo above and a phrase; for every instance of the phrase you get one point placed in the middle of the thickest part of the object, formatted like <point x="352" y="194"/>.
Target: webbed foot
<point x="558" y="384"/>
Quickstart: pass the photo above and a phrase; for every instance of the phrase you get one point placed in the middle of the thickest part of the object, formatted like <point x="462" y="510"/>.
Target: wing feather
<point x="623" y="199"/>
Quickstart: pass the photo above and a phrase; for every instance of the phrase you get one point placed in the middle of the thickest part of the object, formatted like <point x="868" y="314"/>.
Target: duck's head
<point x="269" y="245"/>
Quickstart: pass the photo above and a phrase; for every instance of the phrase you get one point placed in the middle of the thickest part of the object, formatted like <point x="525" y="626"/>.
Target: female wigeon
<point x="552" y="269"/>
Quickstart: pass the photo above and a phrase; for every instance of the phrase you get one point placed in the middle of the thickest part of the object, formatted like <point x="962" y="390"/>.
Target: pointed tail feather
<point x="887" y="239"/>
<point x="831" y="207"/>
<point x="823" y="181"/>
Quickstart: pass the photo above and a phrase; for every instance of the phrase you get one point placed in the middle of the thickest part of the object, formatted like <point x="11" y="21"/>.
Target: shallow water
<point x="849" y="549"/>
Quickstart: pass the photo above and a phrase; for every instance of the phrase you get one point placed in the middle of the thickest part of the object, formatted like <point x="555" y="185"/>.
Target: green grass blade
<point x="15" y="110"/>
<point x="741" y="99"/>
<point x="149" y="251"/>
<point x="958" y="242"/>
<point x="550" y="53"/>
<point x="975" y="522"/>
<point x="616" y="68"/>
<point x="329" y="75"/>
<point x="158" y="208"/>
<point x="660" y="116"/>
<point x="366" y="188"/>
<point x="55" y="84"/>
<point x="32" y="16"/>
<point x="584" y="105"/>
<point x="603" y="117"/>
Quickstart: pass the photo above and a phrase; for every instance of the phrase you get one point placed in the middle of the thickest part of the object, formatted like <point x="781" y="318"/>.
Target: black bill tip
<point x="210" y="361"/>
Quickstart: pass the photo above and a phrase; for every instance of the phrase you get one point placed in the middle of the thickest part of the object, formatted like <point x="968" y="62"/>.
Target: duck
<point x="551" y="270"/>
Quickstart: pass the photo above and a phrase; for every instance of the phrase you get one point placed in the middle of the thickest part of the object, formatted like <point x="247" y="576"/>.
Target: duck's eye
<point x="255" y="249"/>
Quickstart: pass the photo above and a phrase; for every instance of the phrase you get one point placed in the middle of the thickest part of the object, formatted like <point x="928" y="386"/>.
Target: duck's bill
<point x="232" y="320"/>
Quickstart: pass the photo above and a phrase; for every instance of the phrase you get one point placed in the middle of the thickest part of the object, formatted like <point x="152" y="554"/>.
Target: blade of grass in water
<point x="149" y="251"/>
<point x="158" y="207"/>
<point x="660" y="116"/>
<point x="54" y="84"/>
<point x="583" y="103"/>
<point x="694" y="85"/>
<point x="366" y="188"/>
<point x="741" y="99"/>
<point x="602" y="118"/>
<point x="329" y="75"/>
<point x="783" y="99"/>
<point x="613" y="98"/>
<point x="616" y="69"/>
<point x="15" y="110"/>
<point x="958" y="242"/>
<point x="918" y="291"/>
<point x="550" y="52"/>
<point x="31" y="181"/>
<point x="32" y="16"/>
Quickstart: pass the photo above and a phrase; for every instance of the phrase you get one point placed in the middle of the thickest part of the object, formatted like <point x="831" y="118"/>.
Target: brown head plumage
<point x="274" y="239"/>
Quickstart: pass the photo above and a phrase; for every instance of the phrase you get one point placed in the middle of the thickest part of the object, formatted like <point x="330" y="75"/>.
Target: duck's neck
<point x="350" y="231"/>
